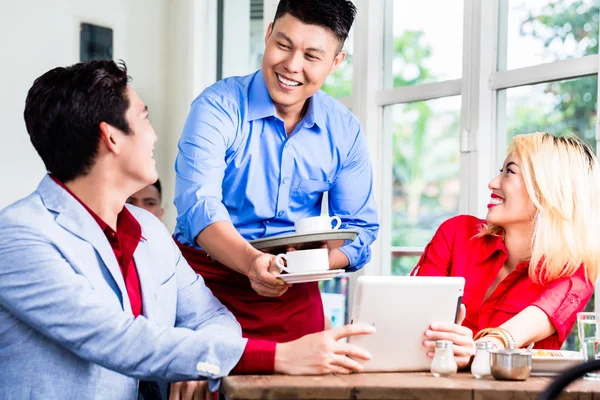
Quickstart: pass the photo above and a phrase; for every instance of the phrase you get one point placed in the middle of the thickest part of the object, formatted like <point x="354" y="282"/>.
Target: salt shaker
<point x="443" y="363"/>
<point x="480" y="367"/>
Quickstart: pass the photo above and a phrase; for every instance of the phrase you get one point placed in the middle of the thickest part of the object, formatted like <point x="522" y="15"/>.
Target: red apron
<point x="296" y="313"/>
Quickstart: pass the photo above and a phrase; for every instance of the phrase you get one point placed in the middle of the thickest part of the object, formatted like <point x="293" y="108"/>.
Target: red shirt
<point x="455" y="251"/>
<point x="123" y="241"/>
<point x="264" y="320"/>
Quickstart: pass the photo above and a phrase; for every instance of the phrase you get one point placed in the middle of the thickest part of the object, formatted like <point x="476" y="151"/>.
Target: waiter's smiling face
<point x="298" y="58"/>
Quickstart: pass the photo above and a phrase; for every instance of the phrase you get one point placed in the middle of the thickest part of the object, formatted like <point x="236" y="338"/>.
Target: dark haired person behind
<point x="257" y="152"/>
<point x="94" y="294"/>
<point x="149" y="198"/>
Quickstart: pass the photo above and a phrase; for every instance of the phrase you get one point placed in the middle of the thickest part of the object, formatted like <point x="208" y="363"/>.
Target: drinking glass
<point x="588" y="329"/>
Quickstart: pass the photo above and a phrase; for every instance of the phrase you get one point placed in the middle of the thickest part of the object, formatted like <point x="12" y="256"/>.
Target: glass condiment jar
<point x="443" y="363"/>
<point x="480" y="367"/>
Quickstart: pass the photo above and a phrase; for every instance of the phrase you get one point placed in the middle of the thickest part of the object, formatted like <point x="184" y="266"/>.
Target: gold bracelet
<point x="506" y="337"/>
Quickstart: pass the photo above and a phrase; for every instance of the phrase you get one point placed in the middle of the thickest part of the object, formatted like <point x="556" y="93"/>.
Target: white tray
<point x="277" y="244"/>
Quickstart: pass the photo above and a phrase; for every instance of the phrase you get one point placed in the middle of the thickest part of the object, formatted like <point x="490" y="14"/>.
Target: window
<point x="555" y="107"/>
<point x="339" y="83"/>
<point x="425" y="172"/>
<point x="421" y="118"/>
<point x="423" y="46"/>
<point x="463" y="76"/>
<point x="543" y="31"/>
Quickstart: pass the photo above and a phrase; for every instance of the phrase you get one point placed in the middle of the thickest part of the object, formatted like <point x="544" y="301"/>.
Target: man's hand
<point x="263" y="274"/>
<point x="189" y="390"/>
<point x="461" y="337"/>
<point x="321" y="353"/>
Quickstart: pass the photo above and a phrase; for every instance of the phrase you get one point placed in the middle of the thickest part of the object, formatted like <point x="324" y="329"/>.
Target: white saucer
<point x="311" y="276"/>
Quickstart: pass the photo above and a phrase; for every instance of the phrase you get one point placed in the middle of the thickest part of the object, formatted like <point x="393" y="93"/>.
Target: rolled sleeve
<point x="258" y="358"/>
<point x="563" y="299"/>
<point x="200" y="165"/>
<point x="351" y="198"/>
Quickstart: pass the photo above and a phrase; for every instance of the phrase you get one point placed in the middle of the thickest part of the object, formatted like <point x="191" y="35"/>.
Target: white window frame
<point x="481" y="145"/>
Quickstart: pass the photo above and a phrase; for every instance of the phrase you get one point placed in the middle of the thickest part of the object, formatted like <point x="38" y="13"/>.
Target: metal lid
<point x="485" y="345"/>
<point x="443" y="344"/>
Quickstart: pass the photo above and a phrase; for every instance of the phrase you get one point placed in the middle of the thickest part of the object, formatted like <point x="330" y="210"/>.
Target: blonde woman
<point x="530" y="267"/>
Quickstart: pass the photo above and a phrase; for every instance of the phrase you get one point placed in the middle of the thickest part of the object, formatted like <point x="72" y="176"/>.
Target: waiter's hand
<point x="321" y="353"/>
<point x="263" y="274"/>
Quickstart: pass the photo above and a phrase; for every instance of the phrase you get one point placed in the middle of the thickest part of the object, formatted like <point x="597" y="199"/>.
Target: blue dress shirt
<point x="236" y="163"/>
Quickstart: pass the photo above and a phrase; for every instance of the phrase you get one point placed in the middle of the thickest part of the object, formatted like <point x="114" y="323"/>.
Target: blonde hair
<point x="562" y="178"/>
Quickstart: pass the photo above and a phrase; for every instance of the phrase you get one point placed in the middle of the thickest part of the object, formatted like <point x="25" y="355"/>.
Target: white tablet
<point x="401" y="308"/>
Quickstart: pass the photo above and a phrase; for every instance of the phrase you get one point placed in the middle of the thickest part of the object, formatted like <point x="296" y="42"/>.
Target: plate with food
<point x="553" y="362"/>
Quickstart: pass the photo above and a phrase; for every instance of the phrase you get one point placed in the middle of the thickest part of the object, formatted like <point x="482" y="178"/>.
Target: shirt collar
<point x="126" y="222"/>
<point x="490" y="245"/>
<point x="100" y="221"/>
<point x="313" y="113"/>
<point x="260" y="104"/>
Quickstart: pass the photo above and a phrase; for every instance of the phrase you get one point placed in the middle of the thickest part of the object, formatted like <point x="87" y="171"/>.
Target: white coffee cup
<point x="317" y="224"/>
<point x="300" y="261"/>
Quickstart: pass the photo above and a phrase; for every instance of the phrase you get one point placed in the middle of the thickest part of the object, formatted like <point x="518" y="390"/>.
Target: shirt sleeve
<point x="437" y="256"/>
<point x="351" y="198"/>
<point x="200" y="165"/>
<point x="258" y="358"/>
<point x="563" y="299"/>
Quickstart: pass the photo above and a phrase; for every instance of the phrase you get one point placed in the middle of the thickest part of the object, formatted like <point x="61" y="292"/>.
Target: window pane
<point x="334" y="294"/>
<point x="339" y="83"/>
<point x="554" y="107"/>
<point x="423" y="46"/>
<point x="257" y="34"/>
<point x="542" y="31"/>
<point x="404" y="265"/>
<point x="425" y="168"/>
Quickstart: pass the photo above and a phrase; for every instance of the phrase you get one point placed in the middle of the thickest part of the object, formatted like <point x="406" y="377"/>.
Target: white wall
<point x="37" y="35"/>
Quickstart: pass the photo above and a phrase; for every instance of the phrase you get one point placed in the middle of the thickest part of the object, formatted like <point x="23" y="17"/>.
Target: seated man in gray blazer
<point x="94" y="294"/>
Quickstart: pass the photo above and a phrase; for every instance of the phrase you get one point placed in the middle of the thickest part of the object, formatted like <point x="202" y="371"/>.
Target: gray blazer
<point x="66" y="327"/>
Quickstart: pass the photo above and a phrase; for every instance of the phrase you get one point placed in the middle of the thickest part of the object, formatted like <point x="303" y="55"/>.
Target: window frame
<point x="484" y="25"/>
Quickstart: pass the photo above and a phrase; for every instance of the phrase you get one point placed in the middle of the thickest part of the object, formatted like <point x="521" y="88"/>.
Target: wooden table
<point x="409" y="386"/>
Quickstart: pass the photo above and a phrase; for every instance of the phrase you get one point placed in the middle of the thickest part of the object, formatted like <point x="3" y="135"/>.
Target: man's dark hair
<point x="335" y="15"/>
<point x="64" y="109"/>
<point x="159" y="188"/>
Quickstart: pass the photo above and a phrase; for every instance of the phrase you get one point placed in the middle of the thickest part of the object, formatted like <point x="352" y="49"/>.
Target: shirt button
<point x="280" y="214"/>
<point x="285" y="180"/>
<point x="287" y="144"/>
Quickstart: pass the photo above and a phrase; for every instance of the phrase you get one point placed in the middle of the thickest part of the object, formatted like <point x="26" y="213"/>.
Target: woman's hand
<point x="460" y="336"/>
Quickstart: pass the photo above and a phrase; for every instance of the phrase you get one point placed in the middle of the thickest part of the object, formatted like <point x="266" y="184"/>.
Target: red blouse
<point x="456" y="251"/>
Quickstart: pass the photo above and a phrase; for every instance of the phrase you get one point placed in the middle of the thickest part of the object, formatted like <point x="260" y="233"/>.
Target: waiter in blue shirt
<point x="257" y="153"/>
